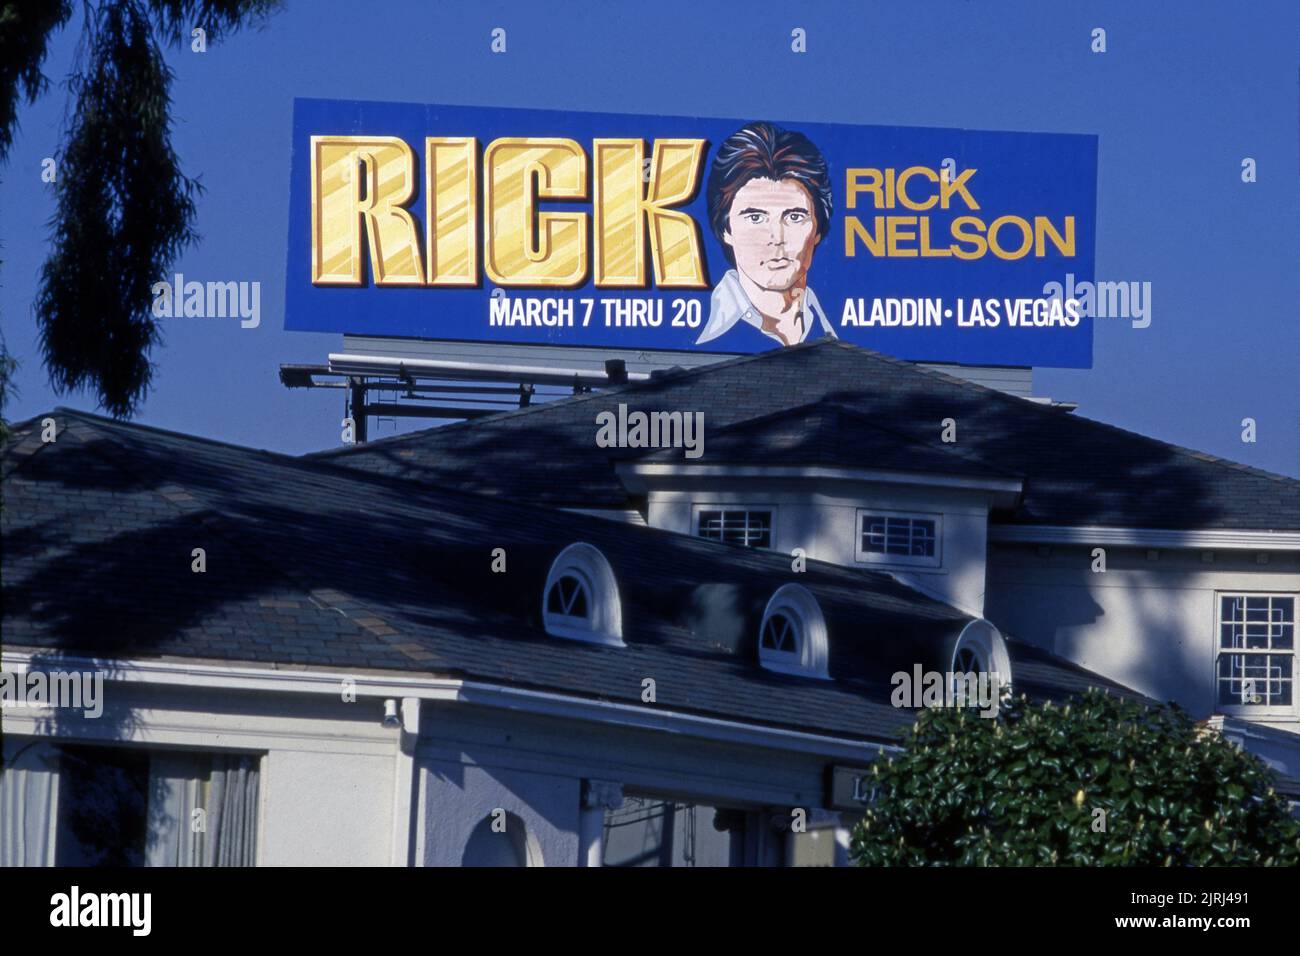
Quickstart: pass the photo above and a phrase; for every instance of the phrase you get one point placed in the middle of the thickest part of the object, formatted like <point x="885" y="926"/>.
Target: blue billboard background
<point x="1023" y="174"/>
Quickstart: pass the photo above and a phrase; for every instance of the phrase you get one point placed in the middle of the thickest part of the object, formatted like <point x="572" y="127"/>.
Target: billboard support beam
<point x="357" y="408"/>
<point x="417" y="381"/>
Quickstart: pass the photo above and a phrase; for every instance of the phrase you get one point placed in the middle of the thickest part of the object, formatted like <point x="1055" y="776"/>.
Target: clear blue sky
<point x="1184" y="92"/>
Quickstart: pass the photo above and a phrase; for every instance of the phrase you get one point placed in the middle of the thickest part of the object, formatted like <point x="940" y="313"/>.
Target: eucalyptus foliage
<point x="125" y="210"/>
<point x="1101" y="781"/>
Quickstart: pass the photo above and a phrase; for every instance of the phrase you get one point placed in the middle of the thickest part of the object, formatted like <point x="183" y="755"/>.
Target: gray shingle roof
<point x="1077" y="471"/>
<point x="828" y="434"/>
<point x="312" y="564"/>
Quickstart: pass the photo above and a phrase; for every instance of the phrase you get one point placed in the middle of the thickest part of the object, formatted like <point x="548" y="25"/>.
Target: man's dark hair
<point x="764" y="151"/>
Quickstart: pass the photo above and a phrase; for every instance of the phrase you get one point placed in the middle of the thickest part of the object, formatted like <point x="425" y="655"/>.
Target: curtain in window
<point x="202" y="809"/>
<point x="232" y="811"/>
<point x="177" y="814"/>
<point x="29" y="791"/>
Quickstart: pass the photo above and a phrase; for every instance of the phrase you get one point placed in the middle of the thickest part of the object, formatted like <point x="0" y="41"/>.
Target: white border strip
<point x="673" y="470"/>
<point x="1148" y="537"/>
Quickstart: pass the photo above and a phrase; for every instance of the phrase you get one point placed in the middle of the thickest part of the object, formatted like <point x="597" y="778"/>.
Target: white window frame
<point x="1257" y="710"/>
<point x="899" y="560"/>
<point x="698" y="508"/>
<point x="779" y="658"/>
<point x="604" y="621"/>
<point x="812" y="657"/>
<point x="985" y="643"/>
<point x="571" y="621"/>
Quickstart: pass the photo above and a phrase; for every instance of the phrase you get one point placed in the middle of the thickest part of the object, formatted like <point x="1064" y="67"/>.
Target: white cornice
<point x="1194" y="539"/>
<point x="429" y="687"/>
<point x="638" y="476"/>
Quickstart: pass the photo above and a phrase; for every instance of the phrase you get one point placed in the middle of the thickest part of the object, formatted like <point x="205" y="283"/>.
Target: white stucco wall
<point x="458" y="797"/>
<point x="326" y="808"/>
<point x="825" y="524"/>
<point x="1149" y="624"/>
<point x="472" y="760"/>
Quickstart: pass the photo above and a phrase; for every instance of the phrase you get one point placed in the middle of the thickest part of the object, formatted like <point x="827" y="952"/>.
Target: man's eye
<point x="796" y="217"/>
<point x="754" y="217"/>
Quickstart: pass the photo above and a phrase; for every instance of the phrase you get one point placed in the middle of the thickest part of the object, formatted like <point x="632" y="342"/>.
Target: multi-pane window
<point x="568" y="597"/>
<point x="752" y="529"/>
<point x="781" y="634"/>
<point x="900" y="535"/>
<point x="1256" y="665"/>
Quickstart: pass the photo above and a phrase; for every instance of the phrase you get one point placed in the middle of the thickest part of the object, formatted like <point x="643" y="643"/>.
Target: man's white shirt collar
<point x="730" y="305"/>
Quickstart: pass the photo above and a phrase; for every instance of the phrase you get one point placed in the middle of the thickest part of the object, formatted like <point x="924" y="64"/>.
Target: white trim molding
<point x="1196" y="539"/>
<point x="448" y="689"/>
<point x="807" y="626"/>
<point x="584" y="565"/>
<point x="988" y="646"/>
<point x="624" y="515"/>
<point x="637" y="477"/>
<point x="887" y="558"/>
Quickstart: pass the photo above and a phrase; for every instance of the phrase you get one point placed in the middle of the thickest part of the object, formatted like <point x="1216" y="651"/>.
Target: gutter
<point x="1209" y="539"/>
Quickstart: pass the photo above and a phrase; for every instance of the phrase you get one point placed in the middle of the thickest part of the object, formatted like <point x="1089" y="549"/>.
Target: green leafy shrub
<point x="1103" y="781"/>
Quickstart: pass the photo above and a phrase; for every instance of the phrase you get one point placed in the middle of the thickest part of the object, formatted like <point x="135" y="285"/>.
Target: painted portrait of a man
<point x="769" y="198"/>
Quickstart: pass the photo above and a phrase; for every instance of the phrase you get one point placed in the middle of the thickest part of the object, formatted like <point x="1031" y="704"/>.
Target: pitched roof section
<point x="829" y="434"/>
<point x="311" y="564"/>
<point x="1077" y="471"/>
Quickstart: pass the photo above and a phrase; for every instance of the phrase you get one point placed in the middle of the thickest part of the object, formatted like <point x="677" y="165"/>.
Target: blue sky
<point x="1182" y="95"/>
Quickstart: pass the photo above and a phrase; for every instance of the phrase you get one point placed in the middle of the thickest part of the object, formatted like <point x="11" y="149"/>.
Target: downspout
<point x="404" y="821"/>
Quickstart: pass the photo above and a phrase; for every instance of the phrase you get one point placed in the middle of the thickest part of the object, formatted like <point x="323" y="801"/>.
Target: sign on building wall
<point x="848" y="788"/>
<point x="715" y="235"/>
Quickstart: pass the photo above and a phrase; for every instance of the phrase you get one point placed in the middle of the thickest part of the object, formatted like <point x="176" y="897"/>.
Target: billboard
<point x="686" y="233"/>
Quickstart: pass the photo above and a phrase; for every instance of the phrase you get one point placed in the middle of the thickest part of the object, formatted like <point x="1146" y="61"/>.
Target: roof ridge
<point x="841" y="407"/>
<point x="1048" y="409"/>
<point x="915" y="365"/>
<point x="676" y="373"/>
<point x="1203" y="456"/>
<point x="103" y="420"/>
<point x="15" y="446"/>
<point x="830" y="403"/>
<point x="941" y="447"/>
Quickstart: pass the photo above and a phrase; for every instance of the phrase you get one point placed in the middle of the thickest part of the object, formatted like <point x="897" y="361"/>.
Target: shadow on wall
<point x="1158" y="641"/>
<point x="501" y="840"/>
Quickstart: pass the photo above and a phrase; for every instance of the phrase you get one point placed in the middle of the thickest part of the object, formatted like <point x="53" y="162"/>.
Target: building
<point x="499" y="642"/>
